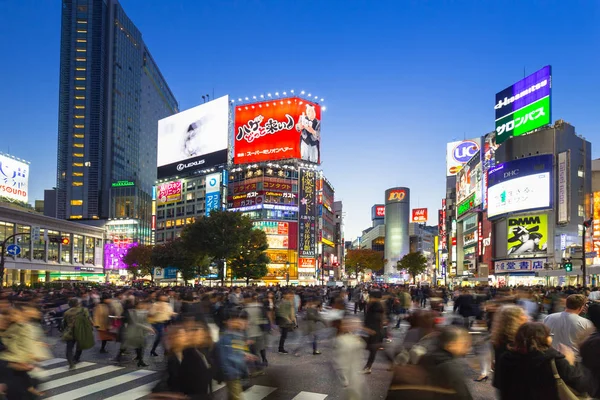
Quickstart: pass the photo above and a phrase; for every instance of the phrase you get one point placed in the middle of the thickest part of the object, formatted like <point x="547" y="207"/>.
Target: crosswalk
<point x="91" y="381"/>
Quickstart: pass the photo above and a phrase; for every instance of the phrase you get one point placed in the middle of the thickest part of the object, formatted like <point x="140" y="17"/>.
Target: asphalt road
<point x="288" y="377"/>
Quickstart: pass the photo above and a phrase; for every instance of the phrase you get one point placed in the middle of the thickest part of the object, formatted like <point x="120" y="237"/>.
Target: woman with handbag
<point x="533" y="370"/>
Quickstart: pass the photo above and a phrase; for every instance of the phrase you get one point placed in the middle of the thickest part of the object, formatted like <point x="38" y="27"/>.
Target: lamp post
<point x="586" y="224"/>
<point x="287" y="273"/>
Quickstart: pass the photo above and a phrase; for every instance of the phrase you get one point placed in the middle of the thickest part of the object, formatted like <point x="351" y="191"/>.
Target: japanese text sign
<point x="307" y="231"/>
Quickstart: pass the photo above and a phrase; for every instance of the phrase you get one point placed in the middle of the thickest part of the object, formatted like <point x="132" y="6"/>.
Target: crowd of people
<point x="537" y="342"/>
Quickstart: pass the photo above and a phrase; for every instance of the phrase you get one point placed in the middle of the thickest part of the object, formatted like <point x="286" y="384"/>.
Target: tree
<point x="175" y="254"/>
<point x="414" y="263"/>
<point x="139" y="258"/>
<point x="360" y="260"/>
<point x="251" y="262"/>
<point x="221" y="236"/>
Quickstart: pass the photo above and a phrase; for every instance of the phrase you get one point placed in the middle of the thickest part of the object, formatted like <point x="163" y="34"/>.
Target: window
<point x="76" y="217"/>
<point x="79" y="116"/>
<point x="76" y="202"/>
<point x="581" y="210"/>
<point x="80" y="50"/>
<point x="169" y="223"/>
<point x="80" y="155"/>
<point x="52" y="247"/>
<point x="190" y="196"/>
<point x="79" y="87"/>
<point x="79" y="107"/>
<point x="80" y="59"/>
<point x="81" y="21"/>
<point x="580" y="172"/>
<point x="77" y="164"/>
<point x="78" y="136"/>
<point x="39" y="247"/>
<point x="75" y="183"/>
<point x="82" y="40"/>
<point x="80" y="69"/>
<point x="81" y="31"/>
<point x="79" y="97"/>
<point x="80" y="78"/>
<point x="89" y="250"/>
<point x="80" y="145"/>
<point x="88" y="164"/>
<point x="77" y="173"/>
<point x="78" y="249"/>
<point x="79" y="126"/>
<point x="24" y="240"/>
<point x="65" y="250"/>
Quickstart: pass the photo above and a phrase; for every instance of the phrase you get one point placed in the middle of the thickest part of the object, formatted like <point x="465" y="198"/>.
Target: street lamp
<point x="287" y="273"/>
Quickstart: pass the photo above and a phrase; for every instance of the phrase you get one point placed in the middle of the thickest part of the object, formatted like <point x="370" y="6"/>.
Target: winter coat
<point x="285" y="314"/>
<point x="590" y="353"/>
<point x="374" y="317"/>
<point x="24" y="343"/>
<point x="136" y="329"/>
<point x="69" y="318"/>
<point x="232" y="349"/>
<point x="445" y="371"/>
<point x="516" y="380"/>
<point x="195" y="374"/>
<point x="101" y="320"/>
<point x="348" y="362"/>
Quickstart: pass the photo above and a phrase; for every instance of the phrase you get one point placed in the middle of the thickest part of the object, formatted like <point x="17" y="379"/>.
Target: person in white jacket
<point x="348" y="359"/>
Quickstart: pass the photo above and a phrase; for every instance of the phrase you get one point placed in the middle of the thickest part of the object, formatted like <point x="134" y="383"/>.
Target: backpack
<point x="83" y="331"/>
<point x="217" y="364"/>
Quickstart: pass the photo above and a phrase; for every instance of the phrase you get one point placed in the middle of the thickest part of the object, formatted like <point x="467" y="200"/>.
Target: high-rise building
<point x="111" y="96"/>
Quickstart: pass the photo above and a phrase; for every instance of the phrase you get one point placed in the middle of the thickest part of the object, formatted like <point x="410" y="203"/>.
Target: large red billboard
<point x="278" y="129"/>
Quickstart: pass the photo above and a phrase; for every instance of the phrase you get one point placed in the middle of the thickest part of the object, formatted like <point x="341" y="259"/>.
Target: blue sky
<point x="400" y="78"/>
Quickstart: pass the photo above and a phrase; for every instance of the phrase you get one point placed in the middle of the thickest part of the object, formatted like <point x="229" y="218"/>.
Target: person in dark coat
<point x="525" y="372"/>
<point x="374" y="321"/>
<point x="442" y="365"/>
<point x="590" y="350"/>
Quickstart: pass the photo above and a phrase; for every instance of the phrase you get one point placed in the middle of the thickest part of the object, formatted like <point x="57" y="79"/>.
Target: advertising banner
<point x="520" y="265"/>
<point x="274" y="185"/>
<point x="277" y="242"/>
<point x="524" y="106"/>
<point x="527" y="235"/>
<point x="114" y="253"/>
<point x="488" y="161"/>
<point x="193" y="139"/>
<point x="378" y="212"/>
<point x="468" y="182"/>
<point x="272" y="227"/>
<point x="307" y="232"/>
<point x="277" y="129"/>
<point x="563" y="191"/>
<point x="213" y="192"/>
<point x="169" y="192"/>
<point x="459" y="153"/>
<point x="419" y="215"/>
<point x="520" y="185"/>
<point x="14" y="179"/>
<point x="307" y="265"/>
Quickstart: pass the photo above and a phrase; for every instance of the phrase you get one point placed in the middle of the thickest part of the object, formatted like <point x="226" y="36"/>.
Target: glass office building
<point x="111" y="97"/>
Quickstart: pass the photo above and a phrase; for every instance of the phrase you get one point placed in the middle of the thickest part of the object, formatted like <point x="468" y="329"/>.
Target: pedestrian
<point x="507" y="321"/>
<point x="568" y="327"/>
<point x="310" y="327"/>
<point x="233" y="353"/>
<point x="196" y="366"/>
<point x="136" y="330"/>
<point x="356" y="297"/>
<point x="347" y="357"/>
<point x="374" y="322"/>
<point x="442" y="365"/>
<point x="286" y="319"/>
<point x="533" y="351"/>
<point x="159" y="316"/>
<point x="72" y="321"/>
<point x="102" y="322"/>
<point x="590" y="349"/>
<point x="258" y="327"/>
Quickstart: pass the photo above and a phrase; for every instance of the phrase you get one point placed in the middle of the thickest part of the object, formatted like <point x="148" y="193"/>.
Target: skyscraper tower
<point x="111" y="96"/>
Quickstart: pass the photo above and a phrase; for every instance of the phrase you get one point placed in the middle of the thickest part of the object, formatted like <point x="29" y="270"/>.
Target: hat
<point x="521" y="230"/>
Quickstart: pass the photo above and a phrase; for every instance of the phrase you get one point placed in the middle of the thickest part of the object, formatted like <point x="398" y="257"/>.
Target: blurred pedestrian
<point x="568" y="327"/>
<point x="507" y="321"/>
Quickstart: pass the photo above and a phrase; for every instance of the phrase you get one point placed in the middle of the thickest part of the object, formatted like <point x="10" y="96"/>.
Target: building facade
<point x="397" y="217"/>
<point x="111" y="96"/>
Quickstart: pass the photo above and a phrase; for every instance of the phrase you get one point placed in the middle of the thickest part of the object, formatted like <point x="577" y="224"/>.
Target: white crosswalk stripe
<point x="100" y="381"/>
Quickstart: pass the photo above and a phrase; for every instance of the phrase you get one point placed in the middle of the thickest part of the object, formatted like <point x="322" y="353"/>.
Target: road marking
<point x="77" y="377"/>
<point x="52" y="361"/>
<point x="135" y="393"/>
<point x="100" y="386"/>
<point x="44" y="374"/>
<point x="310" y="396"/>
<point x="258" y="392"/>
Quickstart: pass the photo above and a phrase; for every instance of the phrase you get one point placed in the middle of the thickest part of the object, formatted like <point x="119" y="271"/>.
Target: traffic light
<point x="60" y="240"/>
<point x="568" y="266"/>
<point x="65" y="241"/>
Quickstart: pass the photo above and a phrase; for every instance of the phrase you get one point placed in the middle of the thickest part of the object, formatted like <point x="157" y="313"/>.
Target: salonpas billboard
<point x="527" y="235"/>
<point x="524" y="106"/>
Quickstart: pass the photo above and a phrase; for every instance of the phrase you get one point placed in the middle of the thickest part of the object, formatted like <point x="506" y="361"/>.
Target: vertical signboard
<point x="563" y="192"/>
<point x="307" y="231"/>
<point x="213" y="193"/>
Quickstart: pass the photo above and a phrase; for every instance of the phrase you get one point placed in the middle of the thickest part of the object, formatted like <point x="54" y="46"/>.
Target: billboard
<point x="193" y="139"/>
<point x="419" y="215"/>
<point x="520" y="185"/>
<point x="169" y="192"/>
<point x="459" y="153"/>
<point x="394" y="196"/>
<point x="488" y="160"/>
<point x="213" y="193"/>
<point x="378" y="212"/>
<point x="277" y="129"/>
<point x="14" y="178"/>
<point x="114" y="253"/>
<point x="469" y="182"/>
<point x="307" y="225"/>
<point x="527" y="235"/>
<point x="524" y="106"/>
<point x="272" y="227"/>
<point x="563" y="189"/>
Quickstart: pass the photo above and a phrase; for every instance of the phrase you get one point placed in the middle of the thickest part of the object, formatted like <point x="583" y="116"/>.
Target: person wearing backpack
<point x="78" y="331"/>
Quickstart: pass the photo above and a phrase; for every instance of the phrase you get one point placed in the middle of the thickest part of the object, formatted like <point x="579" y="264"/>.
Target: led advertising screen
<point x="14" y="178"/>
<point x="419" y="215"/>
<point x="520" y="185"/>
<point x="114" y="253"/>
<point x="378" y="212"/>
<point x="277" y="129"/>
<point x="307" y="224"/>
<point x="527" y="235"/>
<point x="459" y="153"/>
<point x="524" y="106"/>
<point x="213" y="193"/>
<point x="169" y="192"/>
<point x="469" y="181"/>
<point x="193" y="139"/>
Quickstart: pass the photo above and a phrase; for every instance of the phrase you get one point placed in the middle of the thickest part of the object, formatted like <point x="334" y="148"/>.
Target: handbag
<point x="564" y="391"/>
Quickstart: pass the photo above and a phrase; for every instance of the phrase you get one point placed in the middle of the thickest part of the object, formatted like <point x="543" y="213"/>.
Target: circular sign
<point x="464" y="151"/>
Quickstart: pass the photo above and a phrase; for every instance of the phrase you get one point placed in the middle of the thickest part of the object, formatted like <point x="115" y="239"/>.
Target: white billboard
<point x="525" y="193"/>
<point x="14" y="178"/>
<point x="458" y="153"/>
<point x="193" y="139"/>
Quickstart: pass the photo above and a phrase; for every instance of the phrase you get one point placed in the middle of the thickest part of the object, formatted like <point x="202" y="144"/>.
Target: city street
<point x="288" y="377"/>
